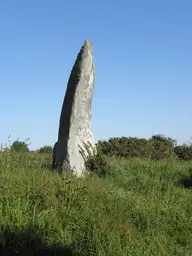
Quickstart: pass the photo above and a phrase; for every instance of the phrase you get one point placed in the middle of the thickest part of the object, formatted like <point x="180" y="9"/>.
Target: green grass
<point x="137" y="209"/>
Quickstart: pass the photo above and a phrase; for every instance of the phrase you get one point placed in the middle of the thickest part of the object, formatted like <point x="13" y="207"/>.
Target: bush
<point x="19" y="146"/>
<point x="96" y="162"/>
<point x="184" y="152"/>
<point x="125" y="147"/>
<point x="46" y="150"/>
<point x="166" y="140"/>
<point x="159" y="150"/>
<point x="157" y="147"/>
<point x="161" y="147"/>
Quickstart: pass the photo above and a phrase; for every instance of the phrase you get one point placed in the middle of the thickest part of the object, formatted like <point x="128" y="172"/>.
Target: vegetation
<point x="19" y="146"/>
<point x="156" y="148"/>
<point x="184" y="152"/>
<point x="96" y="162"/>
<point x="46" y="150"/>
<point x="140" y="207"/>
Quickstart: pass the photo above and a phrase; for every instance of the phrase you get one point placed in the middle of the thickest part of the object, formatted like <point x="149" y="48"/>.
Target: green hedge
<point x="157" y="147"/>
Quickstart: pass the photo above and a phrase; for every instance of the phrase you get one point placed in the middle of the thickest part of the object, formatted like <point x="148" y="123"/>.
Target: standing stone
<point x="75" y="126"/>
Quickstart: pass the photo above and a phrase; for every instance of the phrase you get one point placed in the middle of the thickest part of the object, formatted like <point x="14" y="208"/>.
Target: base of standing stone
<point x="85" y="151"/>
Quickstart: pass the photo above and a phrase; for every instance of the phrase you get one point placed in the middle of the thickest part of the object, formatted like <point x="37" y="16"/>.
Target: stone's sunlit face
<point x="76" y="118"/>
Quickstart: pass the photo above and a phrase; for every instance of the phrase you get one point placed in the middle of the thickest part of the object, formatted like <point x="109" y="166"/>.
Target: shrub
<point x="19" y="146"/>
<point x="161" y="147"/>
<point x="159" y="150"/>
<point x="157" y="147"/>
<point x="96" y="162"/>
<point x="184" y="152"/>
<point x="125" y="147"/>
<point x="166" y="140"/>
<point x="46" y="150"/>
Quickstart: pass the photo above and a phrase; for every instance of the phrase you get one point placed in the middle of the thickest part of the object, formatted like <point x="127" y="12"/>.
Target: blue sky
<point x="143" y="57"/>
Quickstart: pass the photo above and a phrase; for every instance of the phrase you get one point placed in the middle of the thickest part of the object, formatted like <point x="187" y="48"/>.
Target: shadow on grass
<point x="186" y="182"/>
<point x="28" y="244"/>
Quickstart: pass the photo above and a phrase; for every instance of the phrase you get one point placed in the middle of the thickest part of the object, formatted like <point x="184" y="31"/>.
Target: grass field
<point x="139" y="208"/>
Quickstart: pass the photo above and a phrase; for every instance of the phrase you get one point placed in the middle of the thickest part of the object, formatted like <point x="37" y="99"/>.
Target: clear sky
<point x="143" y="57"/>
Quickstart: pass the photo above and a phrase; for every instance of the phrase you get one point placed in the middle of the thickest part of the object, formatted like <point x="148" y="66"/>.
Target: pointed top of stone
<point x="88" y="43"/>
<point x="87" y="46"/>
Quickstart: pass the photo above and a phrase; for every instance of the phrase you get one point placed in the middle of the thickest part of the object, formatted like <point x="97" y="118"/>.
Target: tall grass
<point x="138" y="208"/>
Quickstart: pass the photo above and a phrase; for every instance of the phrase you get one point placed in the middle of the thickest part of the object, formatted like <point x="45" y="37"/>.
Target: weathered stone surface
<point x="75" y="127"/>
